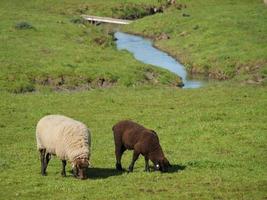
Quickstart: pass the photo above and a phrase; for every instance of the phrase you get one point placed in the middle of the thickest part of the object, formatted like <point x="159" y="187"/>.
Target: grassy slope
<point x="57" y="48"/>
<point x="217" y="132"/>
<point x="225" y="38"/>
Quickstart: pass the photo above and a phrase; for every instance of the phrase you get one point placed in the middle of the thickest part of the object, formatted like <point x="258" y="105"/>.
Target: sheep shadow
<point x="102" y="173"/>
<point x="176" y="168"/>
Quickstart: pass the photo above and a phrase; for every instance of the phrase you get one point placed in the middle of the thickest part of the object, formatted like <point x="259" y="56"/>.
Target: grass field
<point x="215" y="136"/>
<point x="219" y="137"/>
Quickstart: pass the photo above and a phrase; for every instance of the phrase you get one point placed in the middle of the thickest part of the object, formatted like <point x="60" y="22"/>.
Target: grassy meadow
<point x="215" y="136"/>
<point x="219" y="137"/>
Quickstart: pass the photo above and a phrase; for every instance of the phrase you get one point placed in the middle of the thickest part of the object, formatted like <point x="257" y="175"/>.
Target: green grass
<point x="218" y="132"/>
<point x="220" y="138"/>
<point x="225" y="39"/>
<point x="60" y="54"/>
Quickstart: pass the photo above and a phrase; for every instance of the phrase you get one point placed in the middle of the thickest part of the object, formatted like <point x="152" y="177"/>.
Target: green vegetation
<point x="23" y="25"/>
<point x="53" y="62"/>
<point x="62" y="51"/>
<point x="222" y="38"/>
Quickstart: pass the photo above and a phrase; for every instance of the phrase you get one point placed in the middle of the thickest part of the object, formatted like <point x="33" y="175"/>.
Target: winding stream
<point x="143" y="50"/>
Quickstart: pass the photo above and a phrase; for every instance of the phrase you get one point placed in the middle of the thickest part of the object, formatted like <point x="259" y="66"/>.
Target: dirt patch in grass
<point x="66" y="83"/>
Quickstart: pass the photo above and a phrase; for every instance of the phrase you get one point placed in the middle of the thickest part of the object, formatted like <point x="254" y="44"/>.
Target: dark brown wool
<point x="132" y="136"/>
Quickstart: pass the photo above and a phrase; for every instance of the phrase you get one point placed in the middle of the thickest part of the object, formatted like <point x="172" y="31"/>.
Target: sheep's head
<point x="162" y="165"/>
<point x="79" y="168"/>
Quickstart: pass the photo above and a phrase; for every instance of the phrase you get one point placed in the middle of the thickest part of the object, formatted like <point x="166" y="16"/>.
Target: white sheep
<point x="66" y="138"/>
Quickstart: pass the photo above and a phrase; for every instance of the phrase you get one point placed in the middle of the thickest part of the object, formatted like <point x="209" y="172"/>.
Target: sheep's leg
<point x="146" y="164"/>
<point x="135" y="157"/>
<point x="48" y="157"/>
<point x="46" y="161"/>
<point x="64" y="163"/>
<point x="119" y="151"/>
<point x="42" y="156"/>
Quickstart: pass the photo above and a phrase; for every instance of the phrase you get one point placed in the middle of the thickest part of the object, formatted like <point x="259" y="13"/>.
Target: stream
<point x="143" y="50"/>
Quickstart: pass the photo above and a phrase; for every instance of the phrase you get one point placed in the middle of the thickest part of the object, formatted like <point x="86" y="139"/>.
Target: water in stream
<point x="143" y="50"/>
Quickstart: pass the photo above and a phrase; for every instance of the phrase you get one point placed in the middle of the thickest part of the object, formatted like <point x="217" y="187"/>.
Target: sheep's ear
<point x="89" y="164"/>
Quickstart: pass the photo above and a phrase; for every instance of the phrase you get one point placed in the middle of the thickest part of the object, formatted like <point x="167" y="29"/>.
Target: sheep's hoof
<point x="130" y="170"/>
<point x="119" y="167"/>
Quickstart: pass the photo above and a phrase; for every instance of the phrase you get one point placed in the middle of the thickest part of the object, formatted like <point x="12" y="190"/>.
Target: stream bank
<point x="144" y="51"/>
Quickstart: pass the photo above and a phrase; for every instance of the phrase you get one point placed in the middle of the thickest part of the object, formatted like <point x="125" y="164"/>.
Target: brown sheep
<point x="132" y="136"/>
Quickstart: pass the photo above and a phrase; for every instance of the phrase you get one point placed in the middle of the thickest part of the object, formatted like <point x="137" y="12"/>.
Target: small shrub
<point x="82" y="9"/>
<point x="21" y="87"/>
<point x="103" y="40"/>
<point x="78" y="20"/>
<point x="135" y="11"/>
<point x="23" y="26"/>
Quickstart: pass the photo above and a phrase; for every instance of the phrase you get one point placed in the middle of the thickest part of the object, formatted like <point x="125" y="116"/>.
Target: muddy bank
<point x="61" y="83"/>
<point x="148" y="76"/>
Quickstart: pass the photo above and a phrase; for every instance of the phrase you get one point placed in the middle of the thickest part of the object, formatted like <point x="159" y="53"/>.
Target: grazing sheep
<point x="66" y="138"/>
<point x="130" y="135"/>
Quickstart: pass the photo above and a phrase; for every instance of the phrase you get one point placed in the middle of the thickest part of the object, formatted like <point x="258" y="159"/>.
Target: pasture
<point x="215" y="136"/>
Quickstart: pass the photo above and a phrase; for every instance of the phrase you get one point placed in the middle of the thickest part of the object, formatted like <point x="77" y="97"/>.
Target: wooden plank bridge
<point x="96" y="19"/>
